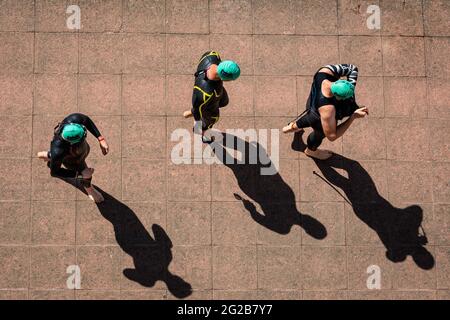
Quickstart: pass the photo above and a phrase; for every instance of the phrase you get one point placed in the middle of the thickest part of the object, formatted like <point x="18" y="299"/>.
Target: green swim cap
<point x="228" y="70"/>
<point x="343" y="89"/>
<point x="73" y="133"/>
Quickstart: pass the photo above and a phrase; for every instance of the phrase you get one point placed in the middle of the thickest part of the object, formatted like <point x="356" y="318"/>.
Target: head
<point x="228" y="70"/>
<point x="73" y="133"/>
<point x="342" y="89"/>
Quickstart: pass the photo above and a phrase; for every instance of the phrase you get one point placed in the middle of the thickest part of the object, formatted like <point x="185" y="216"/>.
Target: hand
<point x="87" y="173"/>
<point x="104" y="146"/>
<point x="361" y="112"/>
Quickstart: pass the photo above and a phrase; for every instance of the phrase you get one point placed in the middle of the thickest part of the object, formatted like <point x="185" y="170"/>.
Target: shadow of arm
<point x="161" y="236"/>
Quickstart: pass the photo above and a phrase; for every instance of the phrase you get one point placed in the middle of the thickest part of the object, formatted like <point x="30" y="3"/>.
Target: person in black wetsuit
<point x="209" y="94"/>
<point x="70" y="149"/>
<point x="331" y="99"/>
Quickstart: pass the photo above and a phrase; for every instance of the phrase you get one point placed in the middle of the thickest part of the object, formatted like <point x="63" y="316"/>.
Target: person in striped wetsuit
<point x="331" y="99"/>
<point x="209" y="95"/>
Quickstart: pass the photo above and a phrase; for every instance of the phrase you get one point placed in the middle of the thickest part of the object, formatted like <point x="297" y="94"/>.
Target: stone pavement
<point x="130" y="68"/>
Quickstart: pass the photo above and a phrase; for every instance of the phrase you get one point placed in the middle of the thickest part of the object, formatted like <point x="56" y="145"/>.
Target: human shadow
<point x="398" y="228"/>
<point x="151" y="256"/>
<point x="271" y="192"/>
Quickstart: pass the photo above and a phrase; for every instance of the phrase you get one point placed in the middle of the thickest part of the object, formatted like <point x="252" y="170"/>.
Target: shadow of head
<point x="410" y="238"/>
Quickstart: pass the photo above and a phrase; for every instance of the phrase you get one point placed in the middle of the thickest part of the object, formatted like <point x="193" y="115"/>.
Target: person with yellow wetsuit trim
<point x="209" y="95"/>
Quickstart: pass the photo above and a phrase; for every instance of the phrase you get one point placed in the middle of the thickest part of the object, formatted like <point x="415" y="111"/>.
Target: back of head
<point x="73" y="133"/>
<point x="228" y="70"/>
<point x="343" y="89"/>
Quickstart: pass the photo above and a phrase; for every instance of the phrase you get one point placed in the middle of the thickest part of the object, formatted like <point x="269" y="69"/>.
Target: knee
<point x="332" y="137"/>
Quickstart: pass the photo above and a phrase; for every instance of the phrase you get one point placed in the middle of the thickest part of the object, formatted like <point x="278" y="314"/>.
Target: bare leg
<point x="93" y="193"/>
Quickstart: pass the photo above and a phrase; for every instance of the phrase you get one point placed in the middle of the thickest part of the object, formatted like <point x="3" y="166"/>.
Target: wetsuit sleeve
<point x="345" y="70"/>
<point x="55" y="163"/>
<point x="224" y="100"/>
<point x="85" y="121"/>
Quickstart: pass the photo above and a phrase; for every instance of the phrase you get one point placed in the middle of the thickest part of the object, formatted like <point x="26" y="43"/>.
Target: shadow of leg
<point x="313" y="227"/>
<point x="297" y="142"/>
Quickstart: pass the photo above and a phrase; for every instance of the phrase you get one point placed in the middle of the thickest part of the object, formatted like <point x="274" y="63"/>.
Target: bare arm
<point x="328" y="118"/>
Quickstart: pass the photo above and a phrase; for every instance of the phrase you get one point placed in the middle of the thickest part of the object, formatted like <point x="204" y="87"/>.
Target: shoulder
<point x="326" y="70"/>
<point x="204" y="86"/>
<point x="327" y="111"/>
<point x="210" y="57"/>
<point x="58" y="146"/>
<point x="75" y="118"/>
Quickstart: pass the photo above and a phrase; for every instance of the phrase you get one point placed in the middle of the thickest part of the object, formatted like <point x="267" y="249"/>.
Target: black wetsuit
<point x="344" y="108"/>
<point x="208" y="95"/>
<point x="71" y="156"/>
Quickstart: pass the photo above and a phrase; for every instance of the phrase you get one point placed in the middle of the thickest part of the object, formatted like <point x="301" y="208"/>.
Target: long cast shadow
<point x="271" y="192"/>
<point x="398" y="228"/>
<point x="151" y="256"/>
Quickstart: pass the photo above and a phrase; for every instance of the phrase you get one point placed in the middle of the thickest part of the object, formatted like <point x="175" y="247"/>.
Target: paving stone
<point x="49" y="266"/>
<point x="234" y="267"/>
<point x="233" y="17"/>
<point x="434" y="12"/>
<point x="56" y="53"/>
<point x="16" y="54"/>
<point x="17" y="94"/>
<point x="274" y="17"/>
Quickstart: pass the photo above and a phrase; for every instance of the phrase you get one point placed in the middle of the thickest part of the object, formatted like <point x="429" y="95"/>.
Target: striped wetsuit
<point x="345" y="70"/>
<point x="343" y="108"/>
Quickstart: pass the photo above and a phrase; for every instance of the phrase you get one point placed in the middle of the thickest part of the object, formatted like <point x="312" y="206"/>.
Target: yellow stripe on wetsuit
<point x="212" y="53"/>
<point x="205" y="101"/>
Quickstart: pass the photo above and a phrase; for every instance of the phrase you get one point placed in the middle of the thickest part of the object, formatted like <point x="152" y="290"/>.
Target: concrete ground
<point x="130" y="68"/>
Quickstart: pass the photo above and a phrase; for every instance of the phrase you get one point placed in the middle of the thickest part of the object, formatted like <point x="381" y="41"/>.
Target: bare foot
<point x="187" y="114"/>
<point x="43" y="155"/>
<point x="319" y="154"/>
<point x="291" y="127"/>
<point x="94" y="194"/>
